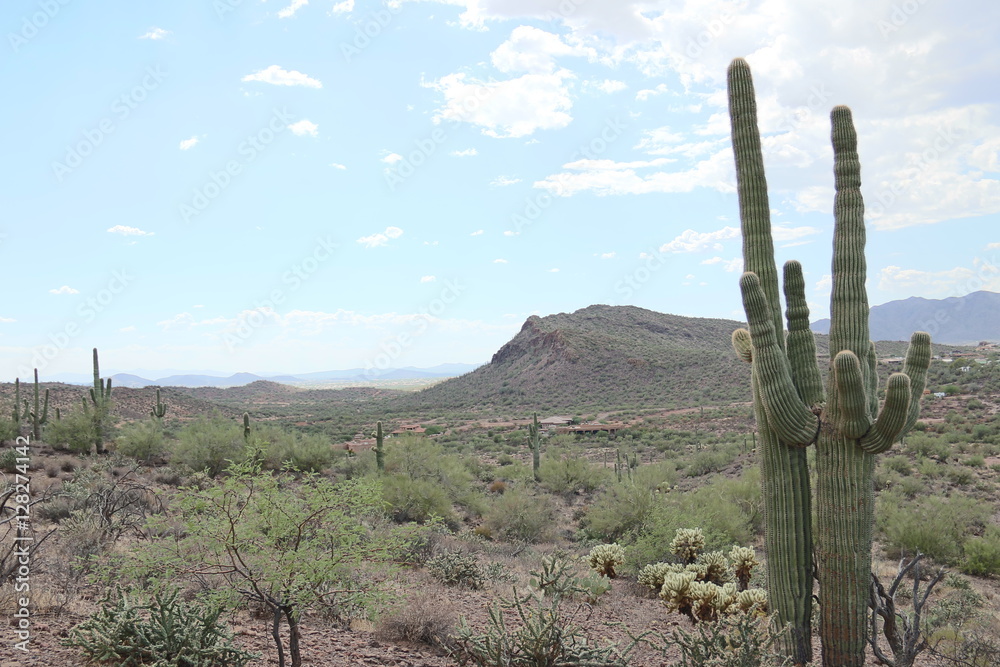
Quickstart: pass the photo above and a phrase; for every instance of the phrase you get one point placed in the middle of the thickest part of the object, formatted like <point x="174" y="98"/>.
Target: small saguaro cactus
<point x="793" y="411"/>
<point x="40" y="414"/>
<point x="100" y="396"/>
<point x="160" y="409"/>
<point x="246" y="426"/>
<point x="534" y="431"/>
<point x="379" y="447"/>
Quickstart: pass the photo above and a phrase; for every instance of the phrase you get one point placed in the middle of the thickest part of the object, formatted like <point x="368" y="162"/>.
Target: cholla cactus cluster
<point x="688" y="543"/>
<point x="704" y="589"/>
<point x="605" y="558"/>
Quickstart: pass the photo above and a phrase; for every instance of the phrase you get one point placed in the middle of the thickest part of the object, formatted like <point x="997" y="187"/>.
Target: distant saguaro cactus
<point x="160" y="409"/>
<point x="793" y="412"/>
<point x="379" y="448"/>
<point x="534" y="433"/>
<point x="100" y="396"/>
<point x="246" y="426"/>
<point x="39" y="415"/>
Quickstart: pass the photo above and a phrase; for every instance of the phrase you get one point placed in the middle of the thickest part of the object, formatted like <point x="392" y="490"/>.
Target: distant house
<point x="611" y="429"/>
<point x="939" y="394"/>
<point x="550" y="423"/>
<point x="409" y="428"/>
<point x="360" y="443"/>
<point x="965" y="369"/>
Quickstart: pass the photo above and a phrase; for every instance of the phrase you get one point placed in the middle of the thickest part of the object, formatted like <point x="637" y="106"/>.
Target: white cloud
<point x="155" y="34"/>
<point x="553" y="270"/>
<point x="277" y="76"/>
<point x="993" y="246"/>
<point x="65" y="289"/>
<point x="392" y="158"/>
<point x="982" y="274"/>
<point x="304" y="127"/>
<point x="512" y="108"/>
<point x="824" y="285"/>
<point x="608" y="86"/>
<point x="499" y="261"/>
<point x="478" y="232"/>
<point x="337" y="165"/>
<point x="730" y="265"/>
<point x="691" y="241"/>
<point x="127" y="329"/>
<point x="187" y="144"/>
<point x="607" y="255"/>
<point x="344" y="7"/>
<point x="292" y="8"/>
<point x="428" y="279"/>
<point x="532" y="50"/>
<point x="646" y="93"/>
<point x="380" y="238"/>
<point x="468" y="152"/>
<point x="511" y="232"/>
<point x="504" y="181"/>
<point x="128" y="231"/>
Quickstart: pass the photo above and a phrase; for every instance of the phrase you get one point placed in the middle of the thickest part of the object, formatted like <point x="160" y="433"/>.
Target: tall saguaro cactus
<point x="100" y="396"/>
<point x="159" y="410"/>
<point x="534" y="432"/>
<point x="40" y="413"/>
<point x="379" y="447"/>
<point x="793" y="411"/>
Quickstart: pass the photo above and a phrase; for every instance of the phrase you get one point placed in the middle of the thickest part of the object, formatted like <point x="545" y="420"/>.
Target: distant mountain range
<point x="964" y="320"/>
<point x="212" y="379"/>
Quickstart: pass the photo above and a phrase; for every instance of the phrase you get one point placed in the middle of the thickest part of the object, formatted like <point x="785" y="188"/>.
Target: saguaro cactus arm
<point x="792" y="421"/>
<point x="801" y="342"/>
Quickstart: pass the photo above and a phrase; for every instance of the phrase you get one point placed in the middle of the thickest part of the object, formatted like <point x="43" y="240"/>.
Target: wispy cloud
<point x="277" y="76"/>
<point x="337" y="165"/>
<point x="292" y="8"/>
<point x="380" y="238"/>
<point x="691" y="241"/>
<point x="65" y="289"/>
<point x="187" y="144"/>
<point x="468" y="152"/>
<point x="478" y="232"/>
<point x="155" y="33"/>
<point x="499" y="261"/>
<point x="428" y="279"/>
<point x="128" y="231"/>
<point x="504" y="181"/>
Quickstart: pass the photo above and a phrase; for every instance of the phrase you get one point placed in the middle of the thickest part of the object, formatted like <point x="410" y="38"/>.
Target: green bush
<point x="518" y="516"/>
<point x="567" y="471"/>
<point x="281" y="448"/>
<point x="621" y="511"/>
<point x="75" y="432"/>
<point x="210" y="445"/>
<point x="982" y="554"/>
<point x="165" y="631"/>
<point x="141" y="440"/>
<point x="426" y="462"/>
<point x="900" y="464"/>
<point x="929" y="445"/>
<point x="8" y="430"/>
<point x="417" y="500"/>
<point x="934" y="525"/>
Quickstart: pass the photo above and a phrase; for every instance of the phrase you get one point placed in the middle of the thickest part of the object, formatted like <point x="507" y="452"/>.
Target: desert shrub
<point x="518" y="516"/>
<point x="976" y="461"/>
<point x="425" y="461"/>
<point x="75" y="432"/>
<point x="959" y="476"/>
<point x="497" y="486"/>
<point x="164" y="631"/>
<point x="933" y="525"/>
<point x="911" y="486"/>
<point x="926" y="444"/>
<point x="982" y="554"/>
<point x="620" y="511"/>
<point x="280" y="448"/>
<point x="8" y="429"/>
<point x="423" y="619"/>
<point x="8" y="460"/>
<point x="210" y="445"/>
<point x="141" y="440"/>
<point x="900" y="464"/>
<point x="660" y="476"/>
<point x="417" y="500"/>
<point x="740" y="640"/>
<point x="567" y="471"/>
<point x="549" y="634"/>
<point x="708" y="461"/>
<point x="454" y="568"/>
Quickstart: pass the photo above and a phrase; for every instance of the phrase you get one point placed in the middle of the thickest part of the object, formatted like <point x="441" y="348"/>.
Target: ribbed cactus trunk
<point x="40" y="414"/>
<point x="534" y="431"/>
<point x="792" y="412"/>
<point x="100" y="396"/>
<point x="379" y="448"/>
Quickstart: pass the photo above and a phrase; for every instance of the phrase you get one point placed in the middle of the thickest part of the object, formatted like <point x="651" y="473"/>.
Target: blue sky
<point x="303" y="185"/>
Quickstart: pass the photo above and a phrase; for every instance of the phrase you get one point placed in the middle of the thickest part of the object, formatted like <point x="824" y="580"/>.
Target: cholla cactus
<point x="716" y="568"/>
<point x="652" y="575"/>
<point x="676" y="592"/>
<point x="753" y="600"/>
<point x="605" y="558"/>
<point x="744" y="560"/>
<point x="711" y="601"/>
<point x="688" y="543"/>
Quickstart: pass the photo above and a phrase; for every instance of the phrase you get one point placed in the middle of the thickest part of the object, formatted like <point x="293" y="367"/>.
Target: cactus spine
<point x="379" y="449"/>
<point x="160" y="409"/>
<point x="100" y="396"/>
<point x="40" y="415"/>
<point x="792" y="411"/>
<point x="534" y="431"/>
